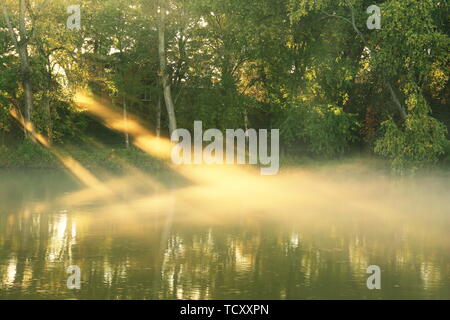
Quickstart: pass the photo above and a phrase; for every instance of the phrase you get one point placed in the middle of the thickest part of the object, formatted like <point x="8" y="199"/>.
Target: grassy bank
<point x="106" y="159"/>
<point x="31" y="156"/>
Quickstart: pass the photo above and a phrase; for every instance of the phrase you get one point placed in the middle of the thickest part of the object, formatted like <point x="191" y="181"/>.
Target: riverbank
<point x="32" y="156"/>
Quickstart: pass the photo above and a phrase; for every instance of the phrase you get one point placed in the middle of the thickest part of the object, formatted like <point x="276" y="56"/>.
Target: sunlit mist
<point x="229" y="221"/>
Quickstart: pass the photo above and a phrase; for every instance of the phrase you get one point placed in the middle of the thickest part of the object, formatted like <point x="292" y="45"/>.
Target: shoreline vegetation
<point x="28" y="155"/>
<point x="317" y="71"/>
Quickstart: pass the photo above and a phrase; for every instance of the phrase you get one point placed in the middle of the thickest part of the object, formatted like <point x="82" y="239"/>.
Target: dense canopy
<point x="311" y="68"/>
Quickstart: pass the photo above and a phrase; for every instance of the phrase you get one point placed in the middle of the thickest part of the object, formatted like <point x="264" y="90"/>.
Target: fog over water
<point x="226" y="232"/>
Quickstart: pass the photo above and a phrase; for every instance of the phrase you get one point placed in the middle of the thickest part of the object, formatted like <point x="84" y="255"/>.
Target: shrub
<point x="420" y="141"/>
<point x="323" y="130"/>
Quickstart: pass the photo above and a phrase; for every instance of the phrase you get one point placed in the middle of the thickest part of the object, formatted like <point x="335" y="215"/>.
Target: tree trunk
<point x="26" y="83"/>
<point x="24" y="64"/>
<point x="125" y="120"/>
<point x="397" y="102"/>
<point x="48" y="116"/>
<point x="48" y="110"/>
<point x="158" y="117"/>
<point x="22" y="50"/>
<point x="163" y="69"/>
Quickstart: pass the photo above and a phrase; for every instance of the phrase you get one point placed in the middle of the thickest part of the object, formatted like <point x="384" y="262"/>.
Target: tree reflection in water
<point x="304" y="241"/>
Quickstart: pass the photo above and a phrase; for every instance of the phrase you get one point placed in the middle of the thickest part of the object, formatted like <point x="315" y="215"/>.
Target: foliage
<point x="419" y="143"/>
<point x="297" y="65"/>
<point x="31" y="155"/>
<point x="27" y="155"/>
<point x="325" y="130"/>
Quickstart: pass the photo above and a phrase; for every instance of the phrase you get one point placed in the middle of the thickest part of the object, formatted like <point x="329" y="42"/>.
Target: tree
<point x="21" y="41"/>
<point x="170" y="106"/>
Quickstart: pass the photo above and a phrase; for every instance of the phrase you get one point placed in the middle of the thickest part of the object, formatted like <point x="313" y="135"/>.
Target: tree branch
<point x="360" y="34"/>
<point x="10" y="28"/>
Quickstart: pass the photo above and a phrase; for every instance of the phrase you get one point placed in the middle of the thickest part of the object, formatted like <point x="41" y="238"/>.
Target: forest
<point x="343" y="193"/>
<point x="314" y="69"/>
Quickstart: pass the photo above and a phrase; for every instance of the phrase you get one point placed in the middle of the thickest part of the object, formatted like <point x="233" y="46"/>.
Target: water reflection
<point x="160" y="243"/>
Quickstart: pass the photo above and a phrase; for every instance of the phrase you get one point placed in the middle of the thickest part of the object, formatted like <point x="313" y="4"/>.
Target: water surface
<point x="306" y="234"/>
